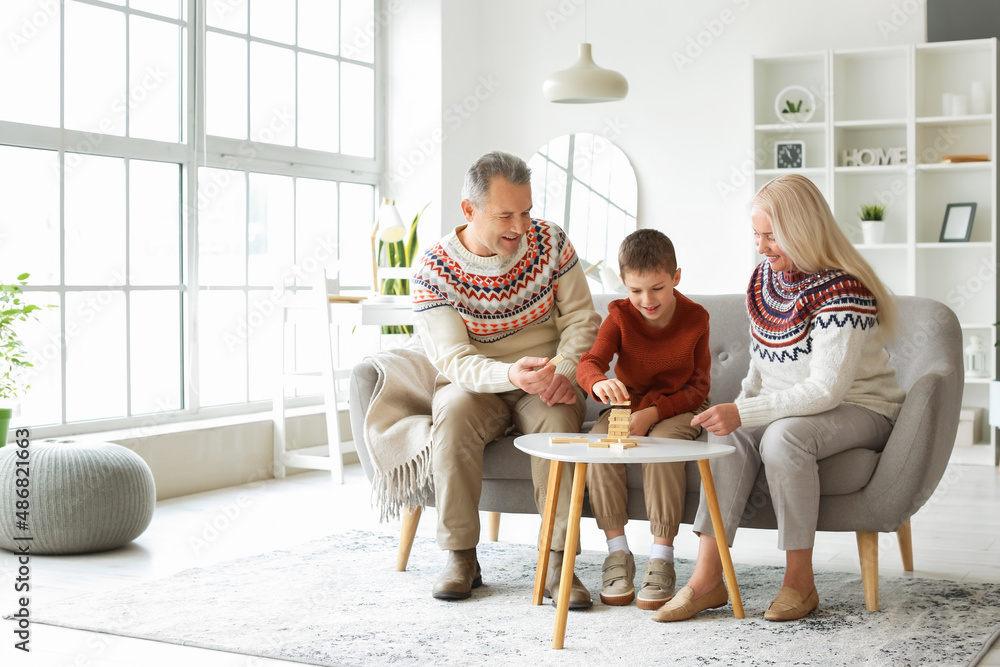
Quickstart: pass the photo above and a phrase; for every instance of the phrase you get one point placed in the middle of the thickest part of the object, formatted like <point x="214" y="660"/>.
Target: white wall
<point x="686" y="124"/>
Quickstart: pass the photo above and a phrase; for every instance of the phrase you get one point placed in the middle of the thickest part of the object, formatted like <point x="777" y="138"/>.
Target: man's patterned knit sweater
<point x="477" y="315"/>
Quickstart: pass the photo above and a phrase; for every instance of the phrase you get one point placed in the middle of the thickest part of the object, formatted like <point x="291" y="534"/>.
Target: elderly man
<point x="494" y="301"/>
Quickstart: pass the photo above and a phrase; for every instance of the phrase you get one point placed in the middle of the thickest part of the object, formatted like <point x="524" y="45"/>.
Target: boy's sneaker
<point x="658" y="584"/>
<point x="619" y="571"/>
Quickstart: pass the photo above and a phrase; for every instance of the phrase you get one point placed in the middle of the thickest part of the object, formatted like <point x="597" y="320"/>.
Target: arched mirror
<point x="585" y="184"/>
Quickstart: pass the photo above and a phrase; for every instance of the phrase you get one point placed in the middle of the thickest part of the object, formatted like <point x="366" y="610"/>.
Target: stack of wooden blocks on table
<point x="618" y="429"/>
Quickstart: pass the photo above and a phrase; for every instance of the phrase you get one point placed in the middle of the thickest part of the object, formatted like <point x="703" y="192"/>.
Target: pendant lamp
<point x="585" y="82"/>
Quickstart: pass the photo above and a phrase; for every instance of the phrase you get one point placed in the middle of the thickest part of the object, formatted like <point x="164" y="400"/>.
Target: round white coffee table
<point x="648" y="450"/>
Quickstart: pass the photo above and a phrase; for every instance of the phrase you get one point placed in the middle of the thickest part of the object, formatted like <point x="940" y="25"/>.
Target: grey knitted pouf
<point x="82" y="497"/>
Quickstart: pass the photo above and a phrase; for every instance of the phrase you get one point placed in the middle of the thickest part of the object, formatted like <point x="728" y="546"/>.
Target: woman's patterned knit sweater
<point x="814" y="343"/>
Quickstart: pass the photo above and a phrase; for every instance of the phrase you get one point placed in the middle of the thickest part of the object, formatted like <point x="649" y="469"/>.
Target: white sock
<point x="661" y="551"/>
<point x="619" y="543"/>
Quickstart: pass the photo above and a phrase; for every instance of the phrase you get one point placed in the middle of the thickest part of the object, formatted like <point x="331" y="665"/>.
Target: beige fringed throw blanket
<point x="398" y="427"/>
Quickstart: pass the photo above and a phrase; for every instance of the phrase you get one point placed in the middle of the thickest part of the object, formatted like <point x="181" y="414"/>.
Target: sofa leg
<point x="905" y="546"/>
<point x="494" y="526"/>
<point x="411" y="518"/>
<point x="868" y="554"/>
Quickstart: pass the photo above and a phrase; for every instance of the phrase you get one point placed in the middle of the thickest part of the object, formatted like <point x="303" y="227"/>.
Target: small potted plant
<point x="871" y="217"/>
<point x="794" y="113"/>
<point x="13" y="362"/>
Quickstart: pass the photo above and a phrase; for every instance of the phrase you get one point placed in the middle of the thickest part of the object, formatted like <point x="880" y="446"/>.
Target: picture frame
<point x="957" y="224"/>
<point x="789" y="154"/>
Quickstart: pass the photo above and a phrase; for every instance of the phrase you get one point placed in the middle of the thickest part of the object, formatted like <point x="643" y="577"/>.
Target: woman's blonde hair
<point x="805" y="229"/>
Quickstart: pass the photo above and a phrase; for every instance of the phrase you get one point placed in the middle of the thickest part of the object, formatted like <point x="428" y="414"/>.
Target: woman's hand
<point x="611" y="391"/>
<point x="719" y="419"/>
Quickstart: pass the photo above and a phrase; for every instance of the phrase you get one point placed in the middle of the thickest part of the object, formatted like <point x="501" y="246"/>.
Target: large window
<point x="169" y="168"/>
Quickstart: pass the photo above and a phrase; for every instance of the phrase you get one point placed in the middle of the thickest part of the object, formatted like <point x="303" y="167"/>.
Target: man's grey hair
<point x="496" y="163"/>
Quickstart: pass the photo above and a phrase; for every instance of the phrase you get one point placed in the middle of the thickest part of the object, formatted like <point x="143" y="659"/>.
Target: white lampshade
<point x="391" y="227"/>
<point x="585" y="82"/>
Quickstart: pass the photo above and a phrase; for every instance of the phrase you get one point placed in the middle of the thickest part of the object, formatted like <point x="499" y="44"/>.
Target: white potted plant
<point x="872" y="220"/>
<point x="13" y="362"/>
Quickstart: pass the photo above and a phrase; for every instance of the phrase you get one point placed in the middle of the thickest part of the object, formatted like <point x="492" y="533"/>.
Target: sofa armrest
<point x="917" y="452"/>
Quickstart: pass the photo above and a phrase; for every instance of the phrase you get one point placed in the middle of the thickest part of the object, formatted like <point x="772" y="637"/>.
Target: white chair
<point x="323" y="306"/>
<point x="312" y="307"/>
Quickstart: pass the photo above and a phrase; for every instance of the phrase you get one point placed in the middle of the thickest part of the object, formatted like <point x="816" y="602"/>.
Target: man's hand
<point x="551" y="387"/>
<point x="719" y="419"/>
<point x="611" y="391"/>
<point x="561" y="390"/>
<point x="643" y="420"/>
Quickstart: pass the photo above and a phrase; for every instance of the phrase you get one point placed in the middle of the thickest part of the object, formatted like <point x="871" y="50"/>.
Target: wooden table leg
<point x="569" y="554"/>
<point x="548" y="521"/>
<point x="720" y="537"/>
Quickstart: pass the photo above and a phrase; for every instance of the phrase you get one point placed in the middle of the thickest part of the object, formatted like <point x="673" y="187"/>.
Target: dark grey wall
<point x="949" y="20"/>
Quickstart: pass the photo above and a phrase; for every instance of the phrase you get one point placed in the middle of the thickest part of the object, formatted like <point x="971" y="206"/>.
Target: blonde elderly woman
<point x="819" y="383"/>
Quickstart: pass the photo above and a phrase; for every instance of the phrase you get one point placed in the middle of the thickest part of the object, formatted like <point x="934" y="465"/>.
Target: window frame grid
<point x="193" y="151"/>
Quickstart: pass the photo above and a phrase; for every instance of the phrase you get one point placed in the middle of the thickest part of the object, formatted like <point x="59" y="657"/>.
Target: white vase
<point x="795" y="118"/>
<point x="873" y="231"/>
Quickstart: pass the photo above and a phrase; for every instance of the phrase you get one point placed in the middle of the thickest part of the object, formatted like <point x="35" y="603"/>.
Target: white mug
<point x="978" y="104"/>
<point x="960" y="105"/>
<point x="947" y="103"/>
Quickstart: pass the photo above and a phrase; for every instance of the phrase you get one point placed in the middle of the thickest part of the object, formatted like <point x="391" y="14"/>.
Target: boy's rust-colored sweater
<point x="669" y="368"/>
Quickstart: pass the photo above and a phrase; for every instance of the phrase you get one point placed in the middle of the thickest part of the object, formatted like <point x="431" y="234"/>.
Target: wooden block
<point x="565" y="440"/>
<point x="555" y="360"/>
<point x="634" y="441"/>
<point x="599" y="443"/>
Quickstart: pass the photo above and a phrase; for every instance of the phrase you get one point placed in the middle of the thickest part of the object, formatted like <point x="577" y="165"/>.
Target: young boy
<point x="663" y="371"/>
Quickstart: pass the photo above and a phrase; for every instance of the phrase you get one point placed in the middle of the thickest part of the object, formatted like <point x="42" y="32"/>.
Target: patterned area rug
<point x="340" y="601"/>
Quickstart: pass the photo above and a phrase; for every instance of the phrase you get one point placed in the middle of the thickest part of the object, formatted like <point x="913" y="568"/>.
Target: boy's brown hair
<point x="646" y="250"/>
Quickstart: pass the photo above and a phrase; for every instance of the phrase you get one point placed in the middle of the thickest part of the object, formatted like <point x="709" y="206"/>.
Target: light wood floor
<point x="956" y="536"/>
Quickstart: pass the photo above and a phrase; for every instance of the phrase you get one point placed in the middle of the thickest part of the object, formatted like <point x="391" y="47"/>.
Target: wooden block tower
<point x="618" y="423"/>
<point x="618" y="428"/>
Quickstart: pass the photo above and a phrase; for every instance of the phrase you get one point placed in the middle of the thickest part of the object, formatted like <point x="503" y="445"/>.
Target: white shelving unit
<point x="888" y="98"/>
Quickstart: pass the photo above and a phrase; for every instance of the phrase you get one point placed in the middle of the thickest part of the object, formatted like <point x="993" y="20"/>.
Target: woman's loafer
<point x="789" y="605"/>
<point x="683" y="607"/>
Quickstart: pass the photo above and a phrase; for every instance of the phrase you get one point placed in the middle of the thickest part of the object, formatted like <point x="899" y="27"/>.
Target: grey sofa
<point x="862" y="491"/>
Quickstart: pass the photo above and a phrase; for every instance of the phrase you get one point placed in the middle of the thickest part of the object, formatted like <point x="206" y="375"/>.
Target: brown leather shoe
<point x="461" y="574"/>
<point x="579" y="596"/>
<point x="789" y="605"/>
<point x="683" y="606"/>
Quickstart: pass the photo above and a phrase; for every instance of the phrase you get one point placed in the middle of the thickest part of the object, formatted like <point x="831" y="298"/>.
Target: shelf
<point x="881" y="246"/>
<point x="871" y="124"/>
<point x="791" y="127"/>
<point x="943" y="121"/>
<point x="879" y="99"/>
<point x="955" y="166"/>
<point x="808" y="171"/>
<point x="881" y="169"/>
<point x="957" y="245"/>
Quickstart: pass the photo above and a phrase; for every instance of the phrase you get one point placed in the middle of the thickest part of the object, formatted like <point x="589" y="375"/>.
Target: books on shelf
<point x="955" y="159"/>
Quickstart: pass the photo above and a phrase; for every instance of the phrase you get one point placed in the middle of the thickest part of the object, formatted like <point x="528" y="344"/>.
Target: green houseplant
<point x="13" y="361"/>
<point x="397" y="255"/>
<point x="871" y="217"/>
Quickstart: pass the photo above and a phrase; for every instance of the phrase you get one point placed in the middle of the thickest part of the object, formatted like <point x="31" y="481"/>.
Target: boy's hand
<point x="719" y="419"/>
<point x="611" y="391"/>
<point x="643" y="420"/>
